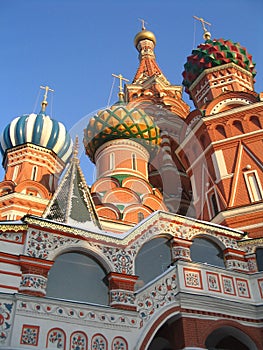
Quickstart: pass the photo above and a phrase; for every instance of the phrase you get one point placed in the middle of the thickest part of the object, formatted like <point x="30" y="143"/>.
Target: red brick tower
<point x="221" y="143"/>
<point x="35" y="150"/>
<point x="163" y="101"/>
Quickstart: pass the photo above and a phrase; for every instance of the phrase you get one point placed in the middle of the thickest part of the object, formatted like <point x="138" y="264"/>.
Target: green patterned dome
<point x="120" y="122"/>
<point x="214" y="53"/>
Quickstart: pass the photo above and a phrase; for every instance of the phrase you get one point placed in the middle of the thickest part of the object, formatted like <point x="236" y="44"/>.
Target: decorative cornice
<point x="13" y="227"/>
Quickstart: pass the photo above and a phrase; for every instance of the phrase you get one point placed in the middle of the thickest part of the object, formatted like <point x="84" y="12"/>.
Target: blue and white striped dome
<point x="38" y="129"/>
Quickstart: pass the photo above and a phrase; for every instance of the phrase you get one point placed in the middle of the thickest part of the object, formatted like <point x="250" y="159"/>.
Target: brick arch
<point x="121" y="195"/>
<point x="246" y="332"/>
<point x="108" y="211"/>
<point x="130" y="213"/>
<point x="34" y="185"/>
<point x="227" y="100"/>
<point x="105" y="184"/>
<point x="153" y="202"/>
<point x="154" y="326"/>
<point x="10" y="185"/>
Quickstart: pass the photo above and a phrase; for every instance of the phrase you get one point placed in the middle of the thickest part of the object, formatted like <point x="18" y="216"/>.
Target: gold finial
<point x="143" y="23"/>
<point x="44" y="102"/>
<point x="121" y="94"/>
<point x="207" y="34"/>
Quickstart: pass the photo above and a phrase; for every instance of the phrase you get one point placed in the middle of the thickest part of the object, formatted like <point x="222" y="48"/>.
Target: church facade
<point x="164" y="250"/>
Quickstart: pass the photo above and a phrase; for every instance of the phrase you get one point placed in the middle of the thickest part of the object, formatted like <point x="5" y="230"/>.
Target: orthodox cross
<point x="44" y="102"/>
<point x="121" y="79"/>
<point x="143" y="23"/>
<point x="47" y="89"/>
<point x="203" y="22"/>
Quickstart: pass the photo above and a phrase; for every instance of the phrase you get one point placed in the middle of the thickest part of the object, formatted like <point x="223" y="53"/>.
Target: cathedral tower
<point x="221" y="143"/>
<point x="163" y="101"/>
<point x="35" y="149"/>
<point x="121" y="140"/>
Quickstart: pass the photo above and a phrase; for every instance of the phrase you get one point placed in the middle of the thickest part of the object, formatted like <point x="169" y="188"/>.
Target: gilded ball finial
<point x="144" y="34"/>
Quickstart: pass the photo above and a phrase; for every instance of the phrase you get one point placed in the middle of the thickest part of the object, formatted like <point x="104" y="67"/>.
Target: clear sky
<point x="74" y="46"/>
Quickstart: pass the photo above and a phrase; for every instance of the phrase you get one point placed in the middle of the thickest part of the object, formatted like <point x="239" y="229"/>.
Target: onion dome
<point x="38" y="129"/>
<point x="120" y="122"/>
<point x="144" y="34"/>
<point x="214" y="53"/>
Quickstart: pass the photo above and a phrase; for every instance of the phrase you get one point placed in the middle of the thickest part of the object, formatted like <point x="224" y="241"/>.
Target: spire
<point x="72" y="202"/>
<point x="44" y="103"/>
<point x="121" y="93"/>
<point x="207" y="34"/>
<point x="145" y="42"/>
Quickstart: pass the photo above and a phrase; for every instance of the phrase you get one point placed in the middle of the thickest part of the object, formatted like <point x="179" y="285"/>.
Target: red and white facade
<point x="156" y="296"/>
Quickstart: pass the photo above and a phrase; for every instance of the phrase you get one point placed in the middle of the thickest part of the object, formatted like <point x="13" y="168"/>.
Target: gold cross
<point x="203" y="22"/>
<point x="121" y="79"/>
<point x="47" y="89"/>
<point x="143" y="23"/>
<point x="44" y="102"/>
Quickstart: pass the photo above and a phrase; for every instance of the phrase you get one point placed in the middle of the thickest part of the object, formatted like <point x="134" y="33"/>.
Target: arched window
<point x="76" y="276"/>
<point x="259" y="257"/>
<point x="214" y="205"/>
<point x="221" y="131"/>
<point x="15" y="173"/>
<point x="140" y="216"/>
<point x="205" y="251"/>
<point x="51" y="177"/>
<point x="255" y="121"/>
<point x="34" y="173"/>
<point x="254" y="186"/>
<point x="112" y="161"/>
<point x="152" y="260"/>
<point x="134" y="163"/>
<point x="238" y="126"/>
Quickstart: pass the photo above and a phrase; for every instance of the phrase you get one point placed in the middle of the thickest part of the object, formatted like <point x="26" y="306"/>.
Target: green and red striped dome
<point x="215" y="53"/>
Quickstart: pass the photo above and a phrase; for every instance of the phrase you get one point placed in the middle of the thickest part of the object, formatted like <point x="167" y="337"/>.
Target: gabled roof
<point x="72" y="202"/>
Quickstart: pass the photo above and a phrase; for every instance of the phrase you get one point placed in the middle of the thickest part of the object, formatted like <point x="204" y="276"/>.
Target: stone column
<point x="180" y="249"/>
<point x="235" y="260"/>
<point x="34" y="275"/>
<point x="121" y="287"/>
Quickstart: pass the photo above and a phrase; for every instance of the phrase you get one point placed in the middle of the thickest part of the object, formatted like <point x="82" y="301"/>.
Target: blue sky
<point x="74" y="46"/>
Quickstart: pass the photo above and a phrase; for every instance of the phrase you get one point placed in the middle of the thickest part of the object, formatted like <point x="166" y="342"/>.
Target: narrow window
<point x="50" y="181"/>
<point x="140" y="216"/>
<point x="214" y="203"/>
<point x="112" y="161"/>
<point x="238" y="125"/>
<point x="221" y="131"/>
<point x="254" y="187"/>
<point x="134" y="165"/>
<point x="15" y="172"/>
<point x="255" y="121"/>
<point x="34" y="173"/>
